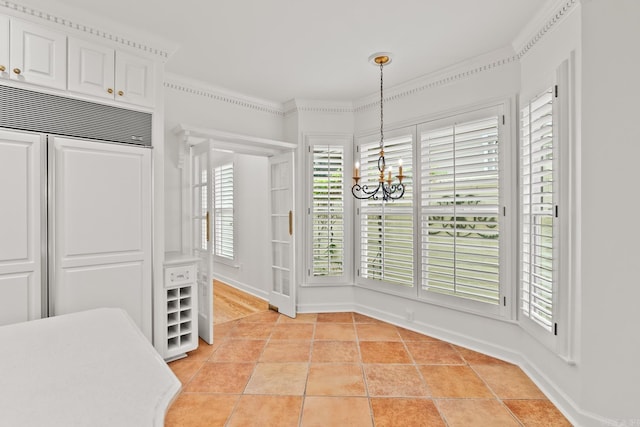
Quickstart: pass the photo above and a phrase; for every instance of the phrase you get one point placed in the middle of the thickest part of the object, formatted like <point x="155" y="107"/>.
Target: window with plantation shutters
<point x="538" y="188"/>
<point x="223" y="231"/>
<point x="327" y="210"/>
<point x="387" y="228"/>
<point x="459" y="209"/>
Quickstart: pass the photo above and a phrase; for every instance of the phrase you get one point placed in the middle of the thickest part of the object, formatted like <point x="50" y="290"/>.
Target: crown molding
<point x="23" y="11"/>
<point x="296" y="106"/>
<point x="197" y="88"/>
<point x="463" y="70"/>
<point x="555" y="12"/>
<point x="546" y="20"/>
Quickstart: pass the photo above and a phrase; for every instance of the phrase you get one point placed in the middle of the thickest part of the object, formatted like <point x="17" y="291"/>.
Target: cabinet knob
<point x="109" y="90"/>
<point x="17" y="70"/>
<point x="121" y="93"/>
<point x="2" y="68"/>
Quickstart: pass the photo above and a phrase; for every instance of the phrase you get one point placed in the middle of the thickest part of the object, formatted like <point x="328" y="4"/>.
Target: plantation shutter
<point x="223" y="211"/>
<point x="386" y="228"/>
<point x="537" y="209"/>
<point x="460" y="209"/>
<point x="327" y="210"/>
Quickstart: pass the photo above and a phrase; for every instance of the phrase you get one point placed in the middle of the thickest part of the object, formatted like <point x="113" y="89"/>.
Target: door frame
<point x="190" y="136"/>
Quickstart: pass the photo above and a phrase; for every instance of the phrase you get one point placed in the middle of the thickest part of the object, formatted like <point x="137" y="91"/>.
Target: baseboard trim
<point x="251" y="290"/>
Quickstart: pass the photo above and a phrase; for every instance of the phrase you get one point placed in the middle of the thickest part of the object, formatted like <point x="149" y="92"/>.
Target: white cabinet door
<point x="135" y="79"/>
<point x="100" y="228"/>
<point x="91" y="68"/>
<point x="21" y="189"/>
<point x="4" y="47"/>
<point x="38" y="55"/>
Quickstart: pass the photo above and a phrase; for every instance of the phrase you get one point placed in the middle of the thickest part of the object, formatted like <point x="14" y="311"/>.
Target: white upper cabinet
<point x="4" y="47"/>
<point x="37" y="55"/>
<point x="135" y="79"/>
<point x="91" y="68"/>
<point x="104" y="72"/>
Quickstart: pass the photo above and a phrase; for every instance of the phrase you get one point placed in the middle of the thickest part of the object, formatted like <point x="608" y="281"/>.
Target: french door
<point x="283" y="290"/>
<point x="201" y="190"/>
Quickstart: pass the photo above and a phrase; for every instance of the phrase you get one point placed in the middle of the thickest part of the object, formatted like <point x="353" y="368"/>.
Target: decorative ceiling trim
<point x="460" y="73"/>
<point x="447" y="79"/>
<point x="551" y="22"/>
<point x="57" y="20"/>
<point x="326" y="110"/>
<point x="221" y="97"/>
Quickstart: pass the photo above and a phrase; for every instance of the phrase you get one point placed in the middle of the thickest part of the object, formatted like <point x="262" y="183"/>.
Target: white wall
<point x="190" y="104"/>
<point x="252" y="270"/>
<point x="203" y="108"/>
<point x="610" y="250"/>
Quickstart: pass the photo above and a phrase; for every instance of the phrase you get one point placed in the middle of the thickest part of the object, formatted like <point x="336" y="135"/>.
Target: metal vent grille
<point x="40" y="112"/>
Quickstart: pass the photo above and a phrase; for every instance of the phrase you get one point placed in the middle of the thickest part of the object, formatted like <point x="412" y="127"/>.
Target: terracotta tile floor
<point x="346" y="369"/>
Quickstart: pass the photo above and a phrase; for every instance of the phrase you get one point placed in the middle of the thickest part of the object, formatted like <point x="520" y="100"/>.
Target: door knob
<point x="121" y="93"/>
<point x="2" y="68"/>
<point x="109" y="90"/>
<point x="17" y="70"/>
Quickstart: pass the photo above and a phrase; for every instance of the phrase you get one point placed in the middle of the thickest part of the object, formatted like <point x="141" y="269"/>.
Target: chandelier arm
<point x="362" y="192"/>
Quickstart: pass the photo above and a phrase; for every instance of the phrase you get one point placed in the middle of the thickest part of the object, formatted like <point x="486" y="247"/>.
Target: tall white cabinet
<point x="21" y="228"/>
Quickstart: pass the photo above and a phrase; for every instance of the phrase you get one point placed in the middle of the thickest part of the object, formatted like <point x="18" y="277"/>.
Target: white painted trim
<point x="317" y="106"/>
<point x="547" y="19"/>
<point x="251" y="290"/>
<point x="198" y="88"/>
<point x="36" y="15"/>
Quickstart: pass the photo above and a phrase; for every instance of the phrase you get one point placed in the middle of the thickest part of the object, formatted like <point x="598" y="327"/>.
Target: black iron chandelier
<point x="385" y="188"/>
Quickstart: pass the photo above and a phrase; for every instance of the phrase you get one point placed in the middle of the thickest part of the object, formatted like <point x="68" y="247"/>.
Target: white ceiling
<point x="277" y="50"/>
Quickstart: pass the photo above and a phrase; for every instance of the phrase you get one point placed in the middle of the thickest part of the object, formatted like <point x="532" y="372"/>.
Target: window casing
<point x="223" y="212"/>
<point x="443" y="242"/>
<point x="545" y="235"/>
<point x="328" y="245"/>
<point x="460" y="209"/>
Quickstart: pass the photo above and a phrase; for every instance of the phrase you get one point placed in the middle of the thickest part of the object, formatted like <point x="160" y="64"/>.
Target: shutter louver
<point x="460" y="209"/>
<point x="386" y="228"/>
<point x="223" y="211"/>
<point x="328" y="210"/>
<point x="537" y="205"/>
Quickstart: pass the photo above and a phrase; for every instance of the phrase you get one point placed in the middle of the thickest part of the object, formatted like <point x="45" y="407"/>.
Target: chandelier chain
<point x="381" y="110"/>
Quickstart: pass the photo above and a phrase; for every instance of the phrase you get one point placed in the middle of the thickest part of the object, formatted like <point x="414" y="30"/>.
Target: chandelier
<point x="385" y="189"/>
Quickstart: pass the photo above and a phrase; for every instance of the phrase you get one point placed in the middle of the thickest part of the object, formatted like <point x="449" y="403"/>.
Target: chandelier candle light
<point x="385" y="189"/>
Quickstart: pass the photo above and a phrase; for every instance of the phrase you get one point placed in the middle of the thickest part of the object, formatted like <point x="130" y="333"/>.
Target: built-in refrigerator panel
<point x="21" y="226"/>
<point x="99" y="214"/>
<point x="75" y="209"/>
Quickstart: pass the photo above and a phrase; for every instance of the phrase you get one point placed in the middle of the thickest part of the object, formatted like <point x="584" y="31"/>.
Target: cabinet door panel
<point x="39" y="54"/>
<point x="91" y="68"/>
<point x="21" y="190"/>
<point x="134" y="79"/>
